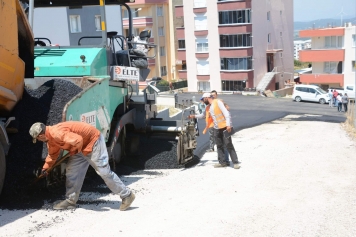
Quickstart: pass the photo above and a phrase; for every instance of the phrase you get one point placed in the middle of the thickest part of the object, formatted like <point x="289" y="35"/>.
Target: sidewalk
<point x="297" y="178"/>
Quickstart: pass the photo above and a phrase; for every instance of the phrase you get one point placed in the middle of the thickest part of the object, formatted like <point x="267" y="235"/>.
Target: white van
<point x="310" y="93"/>
<point x="349" y="89"/>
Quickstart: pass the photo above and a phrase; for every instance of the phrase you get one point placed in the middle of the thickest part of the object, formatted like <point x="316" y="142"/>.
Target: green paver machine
<point x="107" y="74"/>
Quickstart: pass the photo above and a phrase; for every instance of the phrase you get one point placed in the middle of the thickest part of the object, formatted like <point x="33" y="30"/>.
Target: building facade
<point x="231" y="45"/>
<point x="332" y="55"/>
<point x="300" y="45"/>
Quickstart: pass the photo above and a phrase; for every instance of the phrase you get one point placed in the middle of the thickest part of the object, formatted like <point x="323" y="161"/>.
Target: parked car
<point x="310" y="93"/>
<point x="349" y="89"/>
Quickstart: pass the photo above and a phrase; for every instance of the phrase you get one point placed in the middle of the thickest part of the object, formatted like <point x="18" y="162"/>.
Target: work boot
<point x="126" y="202"/>
<point x="220" y="165"/>
<point x="237" y="166"/>
<point x="63" y="205"/>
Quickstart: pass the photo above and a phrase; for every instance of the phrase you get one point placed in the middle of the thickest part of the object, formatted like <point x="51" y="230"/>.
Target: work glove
<point x="41" y="172"/>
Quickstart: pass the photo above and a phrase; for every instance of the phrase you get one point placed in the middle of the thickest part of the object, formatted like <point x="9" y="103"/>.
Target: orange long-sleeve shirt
<point x="72" y="136"/>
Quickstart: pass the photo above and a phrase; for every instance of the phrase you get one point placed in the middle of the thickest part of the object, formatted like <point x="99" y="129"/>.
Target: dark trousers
<point x="339" y="106"/>
<point x="345" y="107"/>
<point x="211" y="138"/>
<point x="221" y="143"/>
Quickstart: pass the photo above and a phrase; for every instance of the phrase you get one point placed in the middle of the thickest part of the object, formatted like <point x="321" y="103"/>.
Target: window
<point x="201" y="45"/>
<point x="235" y="17"/>
<point x="353" y="40"/>
<point x="281" y="56"/>
<point x="163" y="71"/>
<point x="203" y="67"/>
<point x="236" y="63"/>
<point x="181" y="44"/>
<point x="330" y="67"/>
<point x="159" y="11"/>
<point x="160" y="31"/>
<point x="184" y="65"/>
<point x="134" y="13"/>
<point x="98" y="22"/>
<point x="203" y="86"/>
<point x="243" y="40"/>
<point x="280" y="34"/>
<point x="353" y="66"/>
<point x="334" y="41"/>
<point x="280" y="12"/>
<point x="268" y="15"/>
<point x="75" y="25"/>
<point x="269" y="38"/>
<point x="199" y="3"/>
<point x="233" y="85"/>
<point x="200" y="22"/>
<point x="162" y="51"/>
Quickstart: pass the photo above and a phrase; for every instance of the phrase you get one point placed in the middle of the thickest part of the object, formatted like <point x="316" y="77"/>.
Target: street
<point x="296" y="179"/>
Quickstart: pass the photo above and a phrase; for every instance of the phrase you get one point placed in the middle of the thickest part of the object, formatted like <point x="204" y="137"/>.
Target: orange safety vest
<point x="220" y="118"/>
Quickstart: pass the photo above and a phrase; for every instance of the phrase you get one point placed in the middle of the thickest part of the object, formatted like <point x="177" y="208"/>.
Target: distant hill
<point x="320" y="23"/>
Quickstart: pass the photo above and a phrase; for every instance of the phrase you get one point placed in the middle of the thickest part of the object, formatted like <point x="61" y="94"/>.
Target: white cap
<point x="206" y="95"/>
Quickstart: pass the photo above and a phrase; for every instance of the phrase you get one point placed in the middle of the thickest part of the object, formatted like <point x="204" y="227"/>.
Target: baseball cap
<point x="36" y="130"/>
<point x="207" y="95"/>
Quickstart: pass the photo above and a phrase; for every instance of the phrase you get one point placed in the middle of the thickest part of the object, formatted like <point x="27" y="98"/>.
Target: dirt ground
<point x="297" y="178"/>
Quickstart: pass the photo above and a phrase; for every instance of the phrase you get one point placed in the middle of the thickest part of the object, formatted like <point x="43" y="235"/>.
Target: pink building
<point x="230" y="45"/>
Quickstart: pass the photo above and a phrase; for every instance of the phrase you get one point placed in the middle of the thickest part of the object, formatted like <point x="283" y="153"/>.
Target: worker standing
<point x="86" y="146"/>
<point x="220" y="117"/>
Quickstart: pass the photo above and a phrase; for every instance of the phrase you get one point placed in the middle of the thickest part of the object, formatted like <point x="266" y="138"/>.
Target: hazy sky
<point x="308" y="10"/>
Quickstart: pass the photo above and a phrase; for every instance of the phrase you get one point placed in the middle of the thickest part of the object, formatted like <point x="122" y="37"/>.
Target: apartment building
<point x="232" y="44"/>
<point x="332" y="55"/>
<point x="153" y="15"/>
<point x="300" y="45"/>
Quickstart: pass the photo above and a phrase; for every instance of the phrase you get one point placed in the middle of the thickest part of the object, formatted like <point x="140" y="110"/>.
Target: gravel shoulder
<point x="297" y="178"/>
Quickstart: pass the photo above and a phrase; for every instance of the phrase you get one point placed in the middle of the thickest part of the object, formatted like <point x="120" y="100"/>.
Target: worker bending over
<point x="86" y="146"/>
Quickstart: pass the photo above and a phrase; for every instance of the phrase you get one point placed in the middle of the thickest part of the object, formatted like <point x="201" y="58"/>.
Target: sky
<point x="309" y="10"/>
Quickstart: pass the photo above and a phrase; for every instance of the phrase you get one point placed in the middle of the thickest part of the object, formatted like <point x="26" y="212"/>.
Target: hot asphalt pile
<point x="45" y="105"/>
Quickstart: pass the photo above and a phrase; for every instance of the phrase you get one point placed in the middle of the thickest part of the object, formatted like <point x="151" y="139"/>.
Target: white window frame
<point x="98" y="22"/>
<point x="203" y="86"/>
<point x="179" y="44"/>
<point x="201" y="45"/>
<point x="163" y="71"/>
<point x="160" y="11"/>
<point x="75" y="24"/>
<point x="162" y="51"/>
<point x="203" y="67"/>
<point x="330" y="67"/>
<point x="202" y="21"/>
<point x="160" y="31"/>
<point x="199" y="3"/>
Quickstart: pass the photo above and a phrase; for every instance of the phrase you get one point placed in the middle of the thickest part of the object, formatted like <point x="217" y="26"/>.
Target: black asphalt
<point x="250" y="111"/>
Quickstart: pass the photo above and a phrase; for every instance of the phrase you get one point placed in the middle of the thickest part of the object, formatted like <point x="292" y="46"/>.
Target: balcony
<point x="235" y="29"/>
<point x="322" y="78"/>
<point x="182" y="74"/>
<point x="229" y="5"/>
<point x="235" y="52"/>
<point x="179" y="11"/>
<point x="138" y="22"/>
<point x="199" y="7"/>
<point x="322" y="32"/>
<point x="236" y="75"/>
<point x="181" y="54"/>
<point x="332" y="55"/>
<point x="202" y="54"/>
<point x="201" y="30"/>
